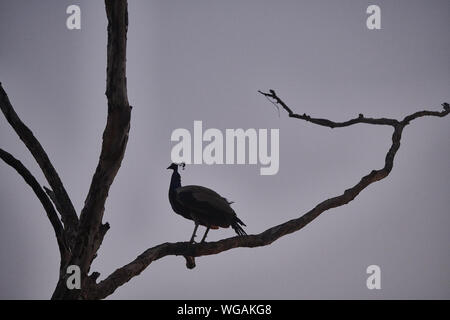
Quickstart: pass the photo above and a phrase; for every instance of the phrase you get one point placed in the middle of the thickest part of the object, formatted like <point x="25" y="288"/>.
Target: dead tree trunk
<point x="91" y="231"/>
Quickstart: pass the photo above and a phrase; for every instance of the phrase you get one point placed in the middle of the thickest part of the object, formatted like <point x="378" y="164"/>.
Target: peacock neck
<point x="175" y="181"/>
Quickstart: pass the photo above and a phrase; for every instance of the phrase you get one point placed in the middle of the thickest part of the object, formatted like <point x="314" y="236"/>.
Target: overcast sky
<point x="205" y="60"/>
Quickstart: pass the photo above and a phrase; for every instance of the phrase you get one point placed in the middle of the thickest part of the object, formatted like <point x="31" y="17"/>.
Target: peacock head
<point x="174" y="166"/>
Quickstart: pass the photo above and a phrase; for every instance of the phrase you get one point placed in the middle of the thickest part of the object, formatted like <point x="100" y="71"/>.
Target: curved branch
<point x="68" y="214"/>
<point x="325" y="122"/>
<point x="134" y="268"/>
<point x="425" y="113"/>
<point x="46" y="203"/>
<point x="275" y="99"/>
<point x="115" y="137"/>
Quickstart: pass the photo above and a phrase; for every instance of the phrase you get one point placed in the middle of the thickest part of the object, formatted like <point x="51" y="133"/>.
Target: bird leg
<point x="206" y="232"/>
<point x="193" y="233"/>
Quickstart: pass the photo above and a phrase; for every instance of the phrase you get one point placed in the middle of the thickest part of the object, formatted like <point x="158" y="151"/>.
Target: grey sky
<point x="205" y="60"/>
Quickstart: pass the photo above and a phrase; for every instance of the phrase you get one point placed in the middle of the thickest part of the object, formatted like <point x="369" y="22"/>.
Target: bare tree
<point x="80" y="237"/>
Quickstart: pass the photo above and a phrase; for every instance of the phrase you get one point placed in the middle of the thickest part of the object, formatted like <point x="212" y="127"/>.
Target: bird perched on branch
<point x="202" y="205"/>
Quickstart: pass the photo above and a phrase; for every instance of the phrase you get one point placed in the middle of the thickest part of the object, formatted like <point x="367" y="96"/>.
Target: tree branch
<point x="45" y="201"/>
<point x="325" y="122"/>
<point x="68" y="214"/>
<point x="115" y="136"/>
<point x="425" y="113"/>
<point x="134" y="268"/>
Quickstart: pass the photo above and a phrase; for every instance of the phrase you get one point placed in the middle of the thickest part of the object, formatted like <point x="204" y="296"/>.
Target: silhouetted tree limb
<point x="46" y="203"/>
<point x="81" y="238"/>
<point x="115" y="138"/>
<point x="134" y="268"/>
<point x="67" y="211"/>
<point x="360" y="119"/>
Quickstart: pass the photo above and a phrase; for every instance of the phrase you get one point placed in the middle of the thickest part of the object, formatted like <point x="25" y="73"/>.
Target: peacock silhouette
<point x="202" y="205"/>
